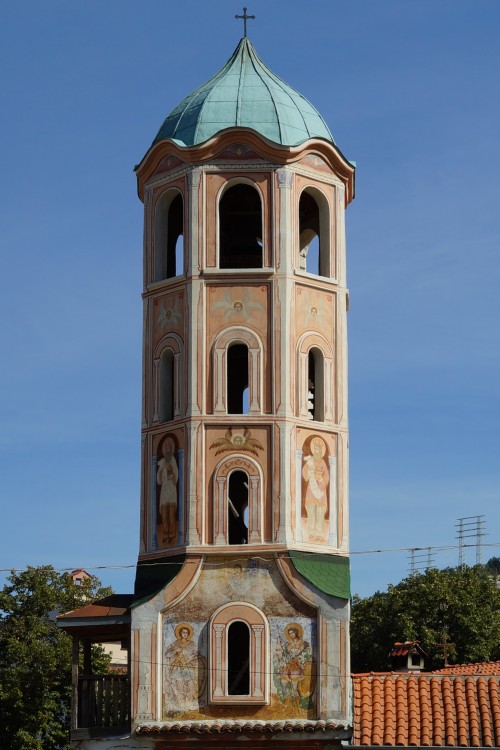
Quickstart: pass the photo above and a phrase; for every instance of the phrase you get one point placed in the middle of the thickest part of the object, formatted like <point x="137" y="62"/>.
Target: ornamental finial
<point x="245" y="18"/>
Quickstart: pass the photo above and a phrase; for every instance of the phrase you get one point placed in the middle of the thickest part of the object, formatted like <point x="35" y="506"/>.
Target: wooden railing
<point x="103" y="701"/>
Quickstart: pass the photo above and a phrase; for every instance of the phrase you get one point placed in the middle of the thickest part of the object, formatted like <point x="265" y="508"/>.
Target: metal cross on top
<point x="244" y="17"/>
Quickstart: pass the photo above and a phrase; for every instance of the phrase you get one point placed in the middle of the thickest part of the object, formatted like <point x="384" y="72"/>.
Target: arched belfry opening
<point x="237" y="379"/>
<point x="240" y="228"/>
<point x="167" y="379"/>
<point x="315" y="385"/>
<point x="314" y="245"/>
<point x="169" y="236"/>
<point x="237" y="516"/>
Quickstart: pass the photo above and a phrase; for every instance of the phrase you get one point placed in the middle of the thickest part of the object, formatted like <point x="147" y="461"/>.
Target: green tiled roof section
<point x="152" y="575"/>
<point x="244" y="93"/>
<point x="329" y="573"/>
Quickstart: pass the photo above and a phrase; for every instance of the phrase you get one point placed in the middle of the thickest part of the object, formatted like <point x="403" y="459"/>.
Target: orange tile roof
<point x="427" y="709"/>
<point x="486" y="667"/>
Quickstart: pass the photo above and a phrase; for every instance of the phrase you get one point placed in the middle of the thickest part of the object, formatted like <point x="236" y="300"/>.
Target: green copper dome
<point x="247" y="94"/>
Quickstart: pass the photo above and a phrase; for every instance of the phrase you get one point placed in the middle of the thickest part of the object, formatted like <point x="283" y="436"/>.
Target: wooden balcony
<point x="100" y="704"/>
<point x="103" y="702"/>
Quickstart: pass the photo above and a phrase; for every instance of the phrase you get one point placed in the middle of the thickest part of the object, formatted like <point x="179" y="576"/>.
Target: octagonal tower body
<point x="242" y="583"/>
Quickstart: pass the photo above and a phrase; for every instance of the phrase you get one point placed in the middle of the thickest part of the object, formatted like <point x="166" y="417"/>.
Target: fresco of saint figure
<point x="316" y="474"/>
<point x="294" y="674"/>
<point x="167" y="477"/>
<point x="184" y="672"/>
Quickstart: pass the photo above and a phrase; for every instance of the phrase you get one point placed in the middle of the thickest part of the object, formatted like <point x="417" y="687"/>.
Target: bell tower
<point x="241" y="613"/>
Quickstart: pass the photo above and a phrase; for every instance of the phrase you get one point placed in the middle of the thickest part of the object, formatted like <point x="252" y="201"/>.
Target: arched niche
<point x="314" y="233"/>
<point x="240" y="226"/>
<point x="253" y="660"/>
<point x="315" y="378"/>
<point x="169" y="235"/>
<point x="238" y="464"/>
<point x="243" y="337"/>
<point x="168" y="364"/>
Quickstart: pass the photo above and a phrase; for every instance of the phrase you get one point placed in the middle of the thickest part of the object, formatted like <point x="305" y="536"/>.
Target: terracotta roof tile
<point x="488" y="667"/>
<point x="427" y="709"/>
<point x="236" y="726"/>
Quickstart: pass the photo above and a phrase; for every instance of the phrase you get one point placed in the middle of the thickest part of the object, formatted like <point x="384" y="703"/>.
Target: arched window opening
<point x="238" y="659"/>
<point x="166" y="410"/>
<point x="315" y="385"/>
<point x="237" y="378"/>
<point x="169" y="229"/>
<point x="240" y="228"/>
<point x="238" y="508"/>
<point x="313" y="245"/>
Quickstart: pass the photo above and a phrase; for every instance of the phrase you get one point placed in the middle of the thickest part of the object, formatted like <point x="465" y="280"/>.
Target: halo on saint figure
<point x="293" y="626"/>
<point x="318" y="441"/>
<point x="183" y="626"/>
<point x="169" y="440"/>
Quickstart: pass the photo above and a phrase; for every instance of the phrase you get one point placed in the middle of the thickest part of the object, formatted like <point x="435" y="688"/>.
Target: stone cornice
<point x="261" y="147"/>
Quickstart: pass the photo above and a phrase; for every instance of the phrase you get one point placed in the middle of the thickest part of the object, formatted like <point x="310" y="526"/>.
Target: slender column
<point x="284" y="358"/>
<point x="220" y="512"/>
<point x="255" y="383"/>
<point x="156" y="386"/>
<point x="220" y="382"/>
<point x="144" y="709"/>
<point x="257" y="664"/>
<point x="328" y="385"/>
<point x="304" y="385"/>
<point x="193" y="183"/>
<point x="192" y="536"/>
<point x="193" y="290"/>
<point x="255" y="509"/>
<point x="284" y="525"/>
<point x="177" y="385"/>
<point x="219" y="672"/>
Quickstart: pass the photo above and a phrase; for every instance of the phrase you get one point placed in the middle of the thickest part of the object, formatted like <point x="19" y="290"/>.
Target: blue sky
<point x="410" y="92"/>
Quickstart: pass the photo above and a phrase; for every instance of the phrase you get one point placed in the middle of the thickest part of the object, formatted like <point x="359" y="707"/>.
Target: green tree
<point x="461" y="607"/>
<point x="493" y="566"/>
<point x="35" y="657"/>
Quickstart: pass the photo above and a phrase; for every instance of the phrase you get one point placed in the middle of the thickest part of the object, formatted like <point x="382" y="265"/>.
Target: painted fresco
<point x="169" y="315"/>
<point x="293" y="643"/>
<point x="314" y="312"/>
<point x="317" y="469"/>
<point x="294" y="669"/>
<point x="235" y="440"/>
<point x="184" y="668"/>
<point x="237" y="305"/>
<point x="167" y="479"/>
<point x="316" y="478"/>
<point x="315" y="161"/>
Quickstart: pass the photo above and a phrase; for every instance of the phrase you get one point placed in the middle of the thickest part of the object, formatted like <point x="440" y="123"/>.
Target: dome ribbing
<point x="244" y="93"/>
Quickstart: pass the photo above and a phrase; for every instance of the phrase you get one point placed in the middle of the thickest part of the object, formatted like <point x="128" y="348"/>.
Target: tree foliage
<point x="35" y="657"/>
<point x="493" y="566"/>
<point x="461" y="607"/>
